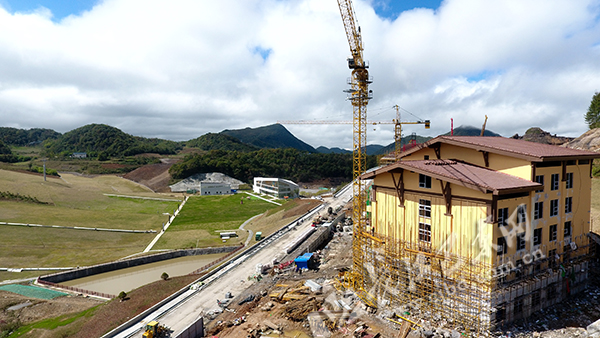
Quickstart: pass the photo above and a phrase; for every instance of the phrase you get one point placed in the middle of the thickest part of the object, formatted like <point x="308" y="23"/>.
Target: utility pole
<point x="44" y="160"/>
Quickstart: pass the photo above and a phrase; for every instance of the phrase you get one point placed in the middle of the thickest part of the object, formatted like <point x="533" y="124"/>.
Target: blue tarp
<point x="303" y="262"/>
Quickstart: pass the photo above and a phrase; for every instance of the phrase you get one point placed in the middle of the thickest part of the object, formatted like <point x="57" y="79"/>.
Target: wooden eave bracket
<point x="446" y="190"/>
<point x="399" y="185"/>
<point x="492" y="215"/>
<point x="436" y="147"/>
<point x="486" y="159"/>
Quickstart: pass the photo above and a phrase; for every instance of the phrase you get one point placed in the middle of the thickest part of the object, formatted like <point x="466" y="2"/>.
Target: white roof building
<point x="213" y="188"/>
<point x="276" y="187"/>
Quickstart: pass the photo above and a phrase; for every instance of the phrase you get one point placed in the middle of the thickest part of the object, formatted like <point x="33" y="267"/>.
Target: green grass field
<point x="202" y="216"/>
<point x="80" y="201"/>
<point x="75" y="201"/>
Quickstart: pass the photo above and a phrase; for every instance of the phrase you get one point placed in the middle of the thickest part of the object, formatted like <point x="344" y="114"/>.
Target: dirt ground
<point x="153" y="176"/>
<point x="269" y="315"/>
<point x="324" y="183"/>
<point x="39" y="309"/>
<point x="284" y="307"/>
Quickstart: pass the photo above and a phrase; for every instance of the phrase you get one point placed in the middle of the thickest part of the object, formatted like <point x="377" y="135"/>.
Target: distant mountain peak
<point x="271" y="136"/>
<point x="471" y="131"/>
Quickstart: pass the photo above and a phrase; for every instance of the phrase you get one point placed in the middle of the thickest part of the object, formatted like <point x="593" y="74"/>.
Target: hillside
<point x="23" y="137"/>
<point x="293" y="164"/>
<point x="154" y="176"/>
<point x="102" y="141"/>
<point x="212" y="141"/>
<point x="271" y="136"/>
<point x="471" y="131"/>
<point x="7" y="155"/>
<point x="405" y="140"/>
<point x="372" y="149"/>
<point x="4" y="149"/>
<point x="538" y="135"/>
<point x="590" y="140"/>
<point x="334" y="150"/>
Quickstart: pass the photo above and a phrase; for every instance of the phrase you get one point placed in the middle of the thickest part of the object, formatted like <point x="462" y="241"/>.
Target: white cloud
<point x="180" y="69"/>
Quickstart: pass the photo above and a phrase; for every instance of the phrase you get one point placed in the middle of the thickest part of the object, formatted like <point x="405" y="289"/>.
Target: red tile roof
<point x="470" y="176"/>
<point x="531" y="151"/>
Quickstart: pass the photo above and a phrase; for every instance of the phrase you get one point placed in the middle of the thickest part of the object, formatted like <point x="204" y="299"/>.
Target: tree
<point x="592" y="117"/>
<point x="164" y="276"/>
<point x="122" y="295"/>
<point x="103" y="156"/>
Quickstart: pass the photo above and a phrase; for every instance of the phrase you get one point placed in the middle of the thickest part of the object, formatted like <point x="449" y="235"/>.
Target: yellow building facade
<point x="480" y="229"/>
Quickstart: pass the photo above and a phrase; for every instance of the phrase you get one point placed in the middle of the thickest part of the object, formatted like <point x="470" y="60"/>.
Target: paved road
<point x="186" y="308"/>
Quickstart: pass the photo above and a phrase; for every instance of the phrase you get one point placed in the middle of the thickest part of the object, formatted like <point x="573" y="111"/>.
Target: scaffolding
<point x="463" y="293"/>
<point x="434" y="286"/>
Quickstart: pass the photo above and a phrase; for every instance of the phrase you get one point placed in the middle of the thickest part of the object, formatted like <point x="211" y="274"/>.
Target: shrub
<point x="122" y="295"/>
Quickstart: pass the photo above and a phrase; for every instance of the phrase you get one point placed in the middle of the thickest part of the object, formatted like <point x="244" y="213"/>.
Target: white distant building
<point x="193" y="182"/>
<point x="276" y="187"/>
<point x="79" y="155"/>
<point x="210" y="188"/>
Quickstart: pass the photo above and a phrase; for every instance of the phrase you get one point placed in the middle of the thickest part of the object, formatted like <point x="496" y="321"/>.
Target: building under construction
<point x="476" y="232"/>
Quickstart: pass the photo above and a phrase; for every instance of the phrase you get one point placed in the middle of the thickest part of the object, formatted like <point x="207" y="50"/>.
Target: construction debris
<point x="298" y="310"/>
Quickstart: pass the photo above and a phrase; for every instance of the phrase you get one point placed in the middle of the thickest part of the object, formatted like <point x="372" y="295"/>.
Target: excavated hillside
<point x="590" y="140"/>
<point x="538" y="135"/>
<point x="153" y="176"/>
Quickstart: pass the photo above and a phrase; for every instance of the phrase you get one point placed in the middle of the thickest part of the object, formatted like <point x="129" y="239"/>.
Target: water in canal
<point x="127" y="279"/>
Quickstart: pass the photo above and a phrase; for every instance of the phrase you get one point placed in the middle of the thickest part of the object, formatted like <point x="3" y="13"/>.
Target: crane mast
<point x="359" y="95"/>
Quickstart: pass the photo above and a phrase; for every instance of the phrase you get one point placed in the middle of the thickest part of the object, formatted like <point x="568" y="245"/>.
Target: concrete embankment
<point x="315" y="239"/>
<point x="101" y="268"/>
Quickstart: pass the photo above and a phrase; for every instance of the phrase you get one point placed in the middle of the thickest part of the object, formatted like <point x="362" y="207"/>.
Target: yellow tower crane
<point x="359" y="95"/>
<point x="398" y="131"/>
<point x="396" y="122"/>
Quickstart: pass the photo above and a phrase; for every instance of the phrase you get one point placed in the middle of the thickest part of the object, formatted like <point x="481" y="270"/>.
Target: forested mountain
<point x="293" y="164"/>
<point x="334" y="150"/>
<point x="4" y="149"/>
<point x="272" y="136"/>
<point x="23" y="137"/>
<point x="106" y="141"/>
<point x="471" y="131"/>
<point x="212" y="141"/>
<point x="6" y="154"/>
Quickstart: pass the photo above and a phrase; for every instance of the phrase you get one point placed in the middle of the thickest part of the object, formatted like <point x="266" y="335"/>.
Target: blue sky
<point x="180" y="69"/>
<point x="60" y="8"/>
<point x="390" y="9"/>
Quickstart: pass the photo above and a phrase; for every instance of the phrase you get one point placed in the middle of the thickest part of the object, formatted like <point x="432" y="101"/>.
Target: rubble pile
<point x="298" y="310"/>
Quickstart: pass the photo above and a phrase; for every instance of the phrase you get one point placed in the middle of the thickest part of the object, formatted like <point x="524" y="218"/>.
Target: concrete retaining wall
<point x="315" y="241"/>
<point x="195" y="330"/>
<point x="101" y="268"/>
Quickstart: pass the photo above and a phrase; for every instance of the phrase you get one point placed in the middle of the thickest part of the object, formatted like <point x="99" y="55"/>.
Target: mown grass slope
<point x="74" y="201"/>
<point x="203" y="216"/>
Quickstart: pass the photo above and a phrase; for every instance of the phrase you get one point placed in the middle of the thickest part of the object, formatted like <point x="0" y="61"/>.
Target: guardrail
<point x="72" y="288"/>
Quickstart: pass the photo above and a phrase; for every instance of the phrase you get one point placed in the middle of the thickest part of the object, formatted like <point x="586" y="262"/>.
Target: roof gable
<point x="530" y="151"/>
<point x="467" y="175"/>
